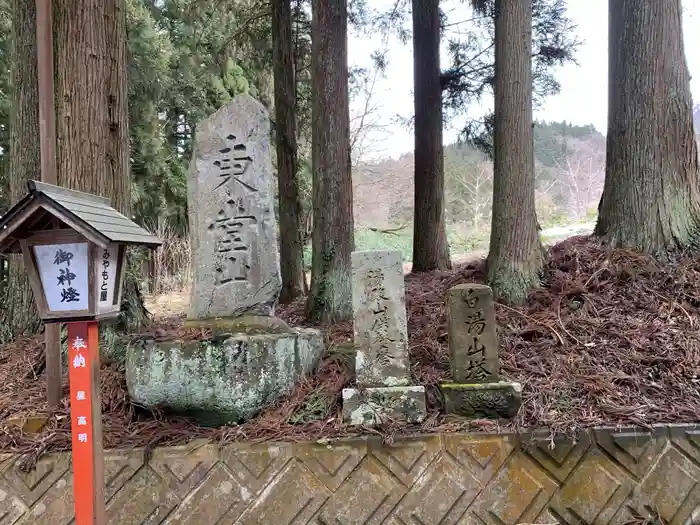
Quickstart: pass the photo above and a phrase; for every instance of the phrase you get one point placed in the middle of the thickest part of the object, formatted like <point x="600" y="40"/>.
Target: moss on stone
<point x="490" y="400"/>
<point x="372" y="406"/>
<point x="481" y="386"/>
<point x="245" y="324"/>
<point x="223" y="379"/>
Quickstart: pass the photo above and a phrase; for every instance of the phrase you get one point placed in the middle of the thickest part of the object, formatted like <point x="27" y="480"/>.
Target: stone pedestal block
<point x="244" y="324"/>
<point x="484" y="400"/>
<point x="228" y="378"/>
<point x="376" y="406"/>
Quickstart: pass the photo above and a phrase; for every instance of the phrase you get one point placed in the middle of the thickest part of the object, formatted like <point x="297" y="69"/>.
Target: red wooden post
<point x="86" y="423"/>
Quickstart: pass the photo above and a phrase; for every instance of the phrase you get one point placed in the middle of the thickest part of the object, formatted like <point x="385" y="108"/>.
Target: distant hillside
<point x="570" y="167"/>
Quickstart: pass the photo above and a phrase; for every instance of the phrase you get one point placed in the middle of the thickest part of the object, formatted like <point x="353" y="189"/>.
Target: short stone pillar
<point x="473" y="347"/>
<point x="381" y="361"/>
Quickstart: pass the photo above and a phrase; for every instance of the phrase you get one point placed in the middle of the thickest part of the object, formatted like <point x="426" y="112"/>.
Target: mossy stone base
<point x="244" y="324"/>
<point x="223" y="379"/>
<point x="500" y="400"/>
<point x="375" y="406"/>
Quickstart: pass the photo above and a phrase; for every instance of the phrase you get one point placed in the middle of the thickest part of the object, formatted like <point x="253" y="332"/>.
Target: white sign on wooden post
<point x="63" y="270"/>
<point x="106" y="262"/>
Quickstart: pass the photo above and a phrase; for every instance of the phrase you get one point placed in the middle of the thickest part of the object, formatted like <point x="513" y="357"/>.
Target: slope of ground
<point x="612" y="338"/>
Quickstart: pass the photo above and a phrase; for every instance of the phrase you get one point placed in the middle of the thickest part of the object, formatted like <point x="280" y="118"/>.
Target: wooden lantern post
<point x="74" y="248"/>
<point x="47" y="146"/>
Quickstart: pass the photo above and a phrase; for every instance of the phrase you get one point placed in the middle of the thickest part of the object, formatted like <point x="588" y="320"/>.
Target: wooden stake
<point x="47" y="141"/>
<point x="47" y="112"/>
<point x="86" y="423"/>
<point x="52" y="344"/>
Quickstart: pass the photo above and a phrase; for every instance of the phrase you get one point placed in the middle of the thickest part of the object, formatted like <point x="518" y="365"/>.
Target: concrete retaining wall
<point x="608" y="476"/>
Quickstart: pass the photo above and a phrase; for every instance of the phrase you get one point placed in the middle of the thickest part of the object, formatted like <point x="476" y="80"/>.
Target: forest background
<point x="186" y="59"/>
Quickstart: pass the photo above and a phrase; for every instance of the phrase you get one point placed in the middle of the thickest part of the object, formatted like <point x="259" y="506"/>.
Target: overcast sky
<point x="583" y="98"/>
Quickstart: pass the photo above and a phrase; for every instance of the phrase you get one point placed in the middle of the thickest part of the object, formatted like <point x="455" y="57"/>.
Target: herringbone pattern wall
<point x="608" y="476"/>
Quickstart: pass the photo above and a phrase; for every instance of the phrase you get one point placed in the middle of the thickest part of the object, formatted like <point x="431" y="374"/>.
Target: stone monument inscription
<point x="232" y="223"/>
<point x="471" y="327"/>
<point x="252" y="358"/>
<point x="473" y="347"/>
<point x="381" y="344"/>
<point x="380" y="319"/>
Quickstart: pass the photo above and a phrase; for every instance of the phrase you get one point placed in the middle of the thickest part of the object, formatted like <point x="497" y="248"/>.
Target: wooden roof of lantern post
<point x="49" y="207"/>
<point x="50" y="215"/>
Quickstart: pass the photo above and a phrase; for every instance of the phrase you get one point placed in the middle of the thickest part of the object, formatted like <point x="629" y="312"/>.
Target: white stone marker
<point x="231" y="213"/>
<point x="381" y="338"/>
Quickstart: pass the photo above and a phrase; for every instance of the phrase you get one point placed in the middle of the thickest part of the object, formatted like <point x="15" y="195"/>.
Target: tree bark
<point x="291" y="256"/>
<point x="430" y="247"/>
<point x="117" y="105"/>
<point x="651" y="199"/>
<point x="92" y="126"/>
<point x="515" y="253"/>
<point x="133" y="311"/>
<point x="333" y="239"/>
<point x="19" y="315"/>
<point x="82" y="66"/>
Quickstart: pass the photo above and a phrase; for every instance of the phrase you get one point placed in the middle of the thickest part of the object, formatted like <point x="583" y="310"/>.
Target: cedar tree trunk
<point x="430" y="248"/>
<point x="291" y="255"/>
<point x="133" y="311"/>
<point x="82" y="65"/>
<point x="19" y="315"/>
<point x="515" y="253"/>
<point x="650" y="199"/>
<point x="92" y="110"/>
<point x="330" y="297"/>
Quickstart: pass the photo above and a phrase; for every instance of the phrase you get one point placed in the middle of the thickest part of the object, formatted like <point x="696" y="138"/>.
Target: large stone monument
<point x="382" y="367"/>
<point x="473" y="347"/>
<point x="253" y="357"/>
<point x="231" y="212"/>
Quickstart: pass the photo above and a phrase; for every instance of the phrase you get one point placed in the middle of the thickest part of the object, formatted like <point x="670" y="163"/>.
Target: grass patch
<point x="366" y="239"/>
<point x="460" y="242"/>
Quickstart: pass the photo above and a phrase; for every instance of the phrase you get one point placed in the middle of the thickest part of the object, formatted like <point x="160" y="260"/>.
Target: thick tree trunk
<point x="117" y="105"/>
<point x="430" y="248"/>
<point x="330" y="298"/>
<point x="133" y="311"/>
<point x="19" y="315"/>
<point x="651" y="198"/>
<point x="515" y="252"/>
<point x="92" y="111"/>
<point x="291" y="261"/>
<point x="82" y="66"/>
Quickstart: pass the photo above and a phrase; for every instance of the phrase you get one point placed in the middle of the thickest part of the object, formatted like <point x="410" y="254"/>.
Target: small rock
<point x="28" y="424"/>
